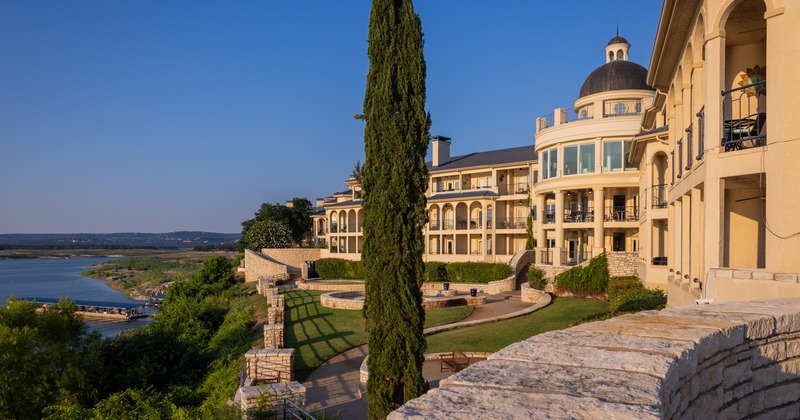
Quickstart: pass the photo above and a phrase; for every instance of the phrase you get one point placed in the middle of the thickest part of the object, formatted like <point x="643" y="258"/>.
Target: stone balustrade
<point x="728" y="360"/>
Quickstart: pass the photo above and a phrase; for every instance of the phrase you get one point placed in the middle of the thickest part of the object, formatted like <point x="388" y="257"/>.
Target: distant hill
<point x="117" y="240"/>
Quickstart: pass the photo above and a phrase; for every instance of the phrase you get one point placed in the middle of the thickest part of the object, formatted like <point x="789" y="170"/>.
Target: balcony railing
<point x="433" y="224"/>
<point x="512" y="223"/>
<point x="622" y="109"/>
<point x="701" y="137"/>
<point x="659" y="196"/>
<point x="334" y="228"/>
<point x="689" y="148"/>
<point x="548" y="217"/>
<point x="584" y="113"/>
<point x="622" y="214"/>
<point x="449" y="225"/>
<point x="578" y="216"/>
<point x="549" y="120"/>
<point x="476" y="223"/>
<point x="514" y="188"/>
<point x="747" y="117"/>
<point x="546" y="257"/>
<point x="574" y="257"/>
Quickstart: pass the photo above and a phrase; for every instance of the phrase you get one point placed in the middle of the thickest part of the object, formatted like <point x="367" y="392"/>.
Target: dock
<point x="122" y="310"/>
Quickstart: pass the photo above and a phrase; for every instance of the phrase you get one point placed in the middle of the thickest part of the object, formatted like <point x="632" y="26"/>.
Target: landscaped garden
<point x="318" y="333"/>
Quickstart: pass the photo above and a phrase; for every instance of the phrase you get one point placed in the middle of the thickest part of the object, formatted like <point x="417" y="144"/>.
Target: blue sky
<point x="155" y="116"/>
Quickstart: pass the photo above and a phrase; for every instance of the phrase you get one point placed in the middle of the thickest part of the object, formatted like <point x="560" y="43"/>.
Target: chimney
<point x="441" y="150"/>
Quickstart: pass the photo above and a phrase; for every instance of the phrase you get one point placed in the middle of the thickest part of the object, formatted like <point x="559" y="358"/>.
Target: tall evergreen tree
<point x="395" y="178"/>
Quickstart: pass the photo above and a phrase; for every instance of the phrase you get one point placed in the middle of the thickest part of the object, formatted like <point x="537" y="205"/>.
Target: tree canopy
<point x="296" y="217"/>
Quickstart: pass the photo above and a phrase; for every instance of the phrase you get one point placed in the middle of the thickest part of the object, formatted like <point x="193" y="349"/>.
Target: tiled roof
<point x="491" y="157"/>
<point x="466" y="194"/>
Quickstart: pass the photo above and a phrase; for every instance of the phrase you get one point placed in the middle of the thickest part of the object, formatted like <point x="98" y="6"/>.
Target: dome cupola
<point x="617" y="73"/>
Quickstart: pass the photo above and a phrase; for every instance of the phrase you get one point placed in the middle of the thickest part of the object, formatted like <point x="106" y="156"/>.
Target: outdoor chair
<point x="736" y="132"/>
<point x="455" y="361"/>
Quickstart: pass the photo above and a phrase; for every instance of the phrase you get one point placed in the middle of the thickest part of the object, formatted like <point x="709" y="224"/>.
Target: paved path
<point x="335" y="386"/>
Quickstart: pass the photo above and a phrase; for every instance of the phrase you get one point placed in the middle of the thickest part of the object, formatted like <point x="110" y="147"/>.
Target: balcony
<point x="746" y="109"/>
<point x="449" y="224"/>
<point x="334" y="228"/>
<point x="548" y="217"/>
<point x="476" y="223"/>
<point x="433" y="224"/>
<point x="512" y="223"/>
<point x="614" y="109"/>
<point x="659" y="197"/>
<point x="546" y="257"/>
<point x="574" y="257"/>
<point x="622" y="214"/>
<point x="578" y="216"/>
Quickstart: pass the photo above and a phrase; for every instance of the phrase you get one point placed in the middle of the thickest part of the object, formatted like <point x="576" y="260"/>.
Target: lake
<point x="58" y="278"/>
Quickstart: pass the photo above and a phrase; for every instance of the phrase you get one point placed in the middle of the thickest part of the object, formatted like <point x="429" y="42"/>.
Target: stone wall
<point x="342" y="300"/>
<point x="270" y="396"/>
<point x="277" y="262"/>
<point x="529" y="294"/>
<point x="623" y="263"/>
<point x="728" y="360"/>
<point x="327" y="285"/>
<point x="273" y="336"/>
<point x="269" y="363"/>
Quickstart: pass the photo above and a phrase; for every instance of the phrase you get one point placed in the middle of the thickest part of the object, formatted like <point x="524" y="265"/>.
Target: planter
<point x="445" y="286"/>
<point x="473" y="292"/>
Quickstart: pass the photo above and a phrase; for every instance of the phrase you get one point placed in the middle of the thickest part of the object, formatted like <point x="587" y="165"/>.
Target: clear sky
<point x="155" y="116"/>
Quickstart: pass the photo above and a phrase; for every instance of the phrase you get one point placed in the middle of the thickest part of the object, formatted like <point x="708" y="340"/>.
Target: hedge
<point x="581" y="281"/>
<point x="628" y="294"/>
<point x="536" y="278"/>
<point x="334" y="268"/>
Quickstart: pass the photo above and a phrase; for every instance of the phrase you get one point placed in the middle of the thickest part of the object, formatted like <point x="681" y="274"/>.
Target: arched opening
<point x="744" y="105"/>
<point x="476" y="216"/>
<point x="352" y="222"/>
<point x="659" y="179"/>
<point x="620" y="55"/>
<point x="343" y="222"/>
<point x="449" y="217"/>
<point x="433" y="217"/>
<point x="334" y="227"/>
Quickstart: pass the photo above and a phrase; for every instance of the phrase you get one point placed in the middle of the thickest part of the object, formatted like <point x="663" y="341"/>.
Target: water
<point x="58" y="278"/>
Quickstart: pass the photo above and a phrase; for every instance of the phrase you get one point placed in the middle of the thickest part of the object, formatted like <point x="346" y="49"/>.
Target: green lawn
<point x="562" y="313"/>
<point x="318" y="333"/>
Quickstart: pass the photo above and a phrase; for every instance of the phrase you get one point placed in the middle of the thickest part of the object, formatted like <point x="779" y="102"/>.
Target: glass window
<point x="627" y="151"/>
<point x="584" y="114"/>
<point x="544" y="164"/>
<point x="570" y="160"/>
<point x="620" y="108"/>
<point x="535" y="176"/>
<point x="612" y="156"/>
<point x="586" y="158"/>
<point x="553" y="163"/>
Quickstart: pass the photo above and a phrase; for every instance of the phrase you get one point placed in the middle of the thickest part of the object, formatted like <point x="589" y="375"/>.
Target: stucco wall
<point x="728" y="360"/>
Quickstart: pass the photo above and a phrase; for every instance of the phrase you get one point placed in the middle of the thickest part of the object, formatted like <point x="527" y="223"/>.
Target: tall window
<point x="545" y="161"/>
<point x="570" y="160"/>
<point x="615" y="156"/>
<point x="553" y="168"/>
<point x="579" y="159"/>
<point x="586" y="162"/>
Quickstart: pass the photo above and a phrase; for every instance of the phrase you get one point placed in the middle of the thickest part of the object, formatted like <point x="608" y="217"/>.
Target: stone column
<point x="599" y="215"/>
<point x="559" y="229"/>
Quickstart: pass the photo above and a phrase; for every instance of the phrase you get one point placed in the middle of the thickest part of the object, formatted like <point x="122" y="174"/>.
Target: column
<point x="541" y="236"/>
<point x="559" y="228"/>
<point x="599" y="214"/>
<point x="695" y="235"/>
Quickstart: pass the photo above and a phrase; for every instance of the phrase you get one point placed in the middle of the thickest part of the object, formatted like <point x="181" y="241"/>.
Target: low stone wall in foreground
<point x="728" y="360"/>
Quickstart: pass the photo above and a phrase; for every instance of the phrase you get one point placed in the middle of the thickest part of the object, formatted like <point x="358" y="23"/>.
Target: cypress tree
<point x="394" y="181"/>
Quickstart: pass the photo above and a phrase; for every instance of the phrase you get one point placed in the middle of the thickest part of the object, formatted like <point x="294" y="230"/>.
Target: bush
<point x="628" y="294"/>
<point x="435" y="272"/>
<point x="334" y="268"/>
<point x="581" y="281"/>
<point x="471" y="272"/>
<point x="536" y="278"/>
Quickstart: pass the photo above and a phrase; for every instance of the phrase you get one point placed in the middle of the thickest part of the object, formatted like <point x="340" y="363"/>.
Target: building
<point x="731" y="148"/>
<point x="588" y="195"/>
<point x="478" y="206"/>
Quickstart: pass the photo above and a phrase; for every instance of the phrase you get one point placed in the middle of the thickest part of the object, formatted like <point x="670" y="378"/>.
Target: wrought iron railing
<point x="294" y="411"/>
<point x="512" y="223"/>
<point x="680" y="158"/>
<point x="659" y="196"/>
<point x="548" y="217"/>
<point x="546" y="257"/>
<point x="461" y="224"/>
<point x="622" y="109"/>
<point x="549" y="120"/>
<point x="449" y="224"/>
<point x="574" y="257"/>
<point x="745" y="120"/>
<point x="578" y="216"/>
<point x="622" y="214"/>
<point x="579" y="114"/>
<point x="433" y="224"/>
<point x="688" y="148"/>
<point x="476" y="223"/>
<point x="701" y="135"/>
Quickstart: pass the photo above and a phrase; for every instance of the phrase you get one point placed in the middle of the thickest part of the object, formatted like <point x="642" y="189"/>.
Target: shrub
<point x="536" y="278"/>
<point x="435" y="272"/>
<point x="471" y="272"/>
<point x="585" y="281"/>
<point x="618" y="286"/>
<point x="638" y="300"/>
<point x="334" y="268"/>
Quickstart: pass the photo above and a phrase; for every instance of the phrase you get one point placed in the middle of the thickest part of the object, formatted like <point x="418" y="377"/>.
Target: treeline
<point x="184" y="364"/>
<point x="223" y="247"/>
<point x="81" y="246"/>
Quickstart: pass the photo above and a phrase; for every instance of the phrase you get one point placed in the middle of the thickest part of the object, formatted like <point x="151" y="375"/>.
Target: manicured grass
<point x="318" y="333"/>
<point x="562" y="313"/>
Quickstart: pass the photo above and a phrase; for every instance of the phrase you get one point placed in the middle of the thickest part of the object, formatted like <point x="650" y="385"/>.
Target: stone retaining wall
<point x="273" y="336"/>
<point x="728" y="360"/>
<point x="363" y="372"/>
<point x="257" y="266"/>
<point x="270" y="396"/>
<point x="327" y="286"/>
<point x="529" y="294"/>
<point x="267" y="363"/>
<point x="623" y="263"/>
<point x="272" y="262"/>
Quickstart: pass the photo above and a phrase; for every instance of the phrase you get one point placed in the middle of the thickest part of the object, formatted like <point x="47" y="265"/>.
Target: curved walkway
<point x="335" y="386"/>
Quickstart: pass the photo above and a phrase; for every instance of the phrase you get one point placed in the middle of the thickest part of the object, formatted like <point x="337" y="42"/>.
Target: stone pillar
<point x="270" y="396"/>
<point x="541" y="235"/>
<point x="599" y="215"/>
<point x="269" y="364"/>
<point x="273" y="336"/>
<point x="275" y="315"/>
<point x="559" y="229"/>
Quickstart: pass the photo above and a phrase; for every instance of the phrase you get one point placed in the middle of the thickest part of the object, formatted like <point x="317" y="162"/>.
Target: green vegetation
<point x="562" y="313"/>
<point x="151" y="274"/>
<point x="536" y="278"/>
<point x="395" y="178"/>
<point x="318" y="333"/>
<point x="628" y="294"/>
<point x="296" y="218"/>
<point x="530" y="241"/>
<point x="472" y="272"/>
<point x="592" y="280"/>
<point x="185" y="364"/>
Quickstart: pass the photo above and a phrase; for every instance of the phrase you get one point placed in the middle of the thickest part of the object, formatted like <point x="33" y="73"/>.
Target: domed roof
<point x="615" y="75"/>
<point x="618" y="40"/>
